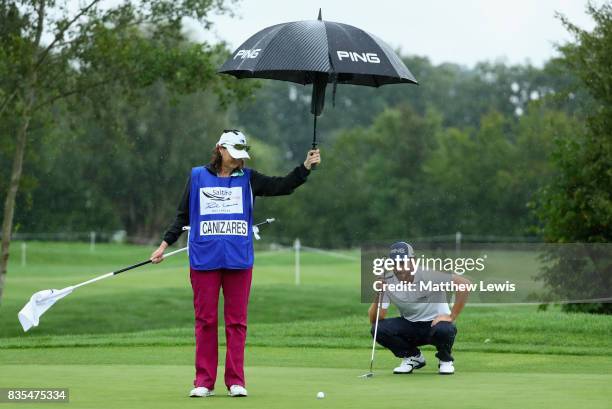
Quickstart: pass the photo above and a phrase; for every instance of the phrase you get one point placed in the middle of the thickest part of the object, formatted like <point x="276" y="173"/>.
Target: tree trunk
<point x="9" y="203"/>
<point x="22" y="135"/>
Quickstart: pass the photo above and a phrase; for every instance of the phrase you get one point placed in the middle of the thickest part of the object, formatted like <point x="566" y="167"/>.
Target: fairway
<point x="128" y="341"/>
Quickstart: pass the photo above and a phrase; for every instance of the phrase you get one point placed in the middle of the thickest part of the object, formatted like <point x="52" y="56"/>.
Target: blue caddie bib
<point x="221" y="220"/>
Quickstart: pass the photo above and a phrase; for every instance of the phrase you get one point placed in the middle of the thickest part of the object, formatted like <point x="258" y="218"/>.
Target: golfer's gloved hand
<point x="313" y="157"/>
<point x="158" y="255"/>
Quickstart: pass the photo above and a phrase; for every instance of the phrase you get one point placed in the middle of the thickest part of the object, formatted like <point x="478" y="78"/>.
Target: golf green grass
<point x="159" y="377"/>
<point x="127" y="342"/>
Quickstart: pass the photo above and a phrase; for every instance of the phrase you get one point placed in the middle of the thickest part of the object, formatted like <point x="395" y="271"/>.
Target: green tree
<point x="368" y="188"/>
<point x="577" y="205"/>
<point x="462" y="96"/>
<point x="92" y="54"/>
<point x="470" y="174"/>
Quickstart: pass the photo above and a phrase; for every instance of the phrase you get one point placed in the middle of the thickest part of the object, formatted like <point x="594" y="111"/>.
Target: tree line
<point x="398" y="161"/>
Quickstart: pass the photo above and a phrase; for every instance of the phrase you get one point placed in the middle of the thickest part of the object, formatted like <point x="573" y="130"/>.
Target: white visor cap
<point x="230" y="138"/>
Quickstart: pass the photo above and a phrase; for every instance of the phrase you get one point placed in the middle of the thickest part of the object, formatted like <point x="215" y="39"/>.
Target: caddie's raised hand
<point x="313" y="157"/>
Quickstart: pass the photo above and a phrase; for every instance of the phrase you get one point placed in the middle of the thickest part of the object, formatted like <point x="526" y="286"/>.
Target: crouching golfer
<point x="217" y="204"/>
<point x="426" y="318"/>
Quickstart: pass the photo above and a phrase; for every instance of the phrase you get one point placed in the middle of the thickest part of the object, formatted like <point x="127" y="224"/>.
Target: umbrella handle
<point x="314" y="139"/>
<point x="317" y="102"/>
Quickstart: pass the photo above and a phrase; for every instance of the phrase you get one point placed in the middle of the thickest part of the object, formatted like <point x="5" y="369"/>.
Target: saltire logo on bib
<point x="220" y="200"/>
<point x="224" y="228"/>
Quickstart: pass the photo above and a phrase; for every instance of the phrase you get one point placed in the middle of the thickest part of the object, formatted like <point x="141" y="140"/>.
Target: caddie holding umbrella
<point x="217" y="204"/>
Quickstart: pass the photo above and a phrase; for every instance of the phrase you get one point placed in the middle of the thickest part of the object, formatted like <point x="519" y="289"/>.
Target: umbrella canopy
<point x="318" y="52"/>
<point x="298" y="50"/>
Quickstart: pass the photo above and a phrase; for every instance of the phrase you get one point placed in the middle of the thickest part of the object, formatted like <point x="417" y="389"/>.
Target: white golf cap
<point x="231" y="137"/>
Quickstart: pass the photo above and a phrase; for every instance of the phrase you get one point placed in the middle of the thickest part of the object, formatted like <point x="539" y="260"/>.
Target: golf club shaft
<point x="380" y="297"/>
<point x="142" y="263"/>
<point x="112" y="273"/>
<point x="267" y="221"/>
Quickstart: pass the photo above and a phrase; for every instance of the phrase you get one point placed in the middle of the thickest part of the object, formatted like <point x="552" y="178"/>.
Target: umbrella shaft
<point x="314" y="133"/>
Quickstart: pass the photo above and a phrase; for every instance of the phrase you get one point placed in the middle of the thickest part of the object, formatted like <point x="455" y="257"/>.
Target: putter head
<point x="367" y="375"/>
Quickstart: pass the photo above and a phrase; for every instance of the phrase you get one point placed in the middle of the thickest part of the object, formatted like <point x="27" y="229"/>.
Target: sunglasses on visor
<point x="239" y="146"/>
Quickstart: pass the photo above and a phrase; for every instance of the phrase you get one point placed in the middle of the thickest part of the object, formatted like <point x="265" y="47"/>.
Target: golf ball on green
<point x="320" y="395"/>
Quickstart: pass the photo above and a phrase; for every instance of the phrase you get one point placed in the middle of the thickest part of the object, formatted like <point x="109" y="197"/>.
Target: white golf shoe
<point x="409" y="364"/>
<point x="446" y="368"/>
<point x="236" y="391"/>
<point x="201" y="392"/>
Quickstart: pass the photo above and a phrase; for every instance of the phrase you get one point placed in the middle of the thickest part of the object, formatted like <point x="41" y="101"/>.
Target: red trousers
<point x="236" y="286"/>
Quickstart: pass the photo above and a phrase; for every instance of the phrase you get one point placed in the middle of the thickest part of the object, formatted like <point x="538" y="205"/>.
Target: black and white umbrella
<point x="318" y="52"/>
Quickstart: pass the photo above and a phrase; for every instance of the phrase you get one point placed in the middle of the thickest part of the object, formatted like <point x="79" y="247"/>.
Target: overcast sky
<point x="461" y="31"/>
